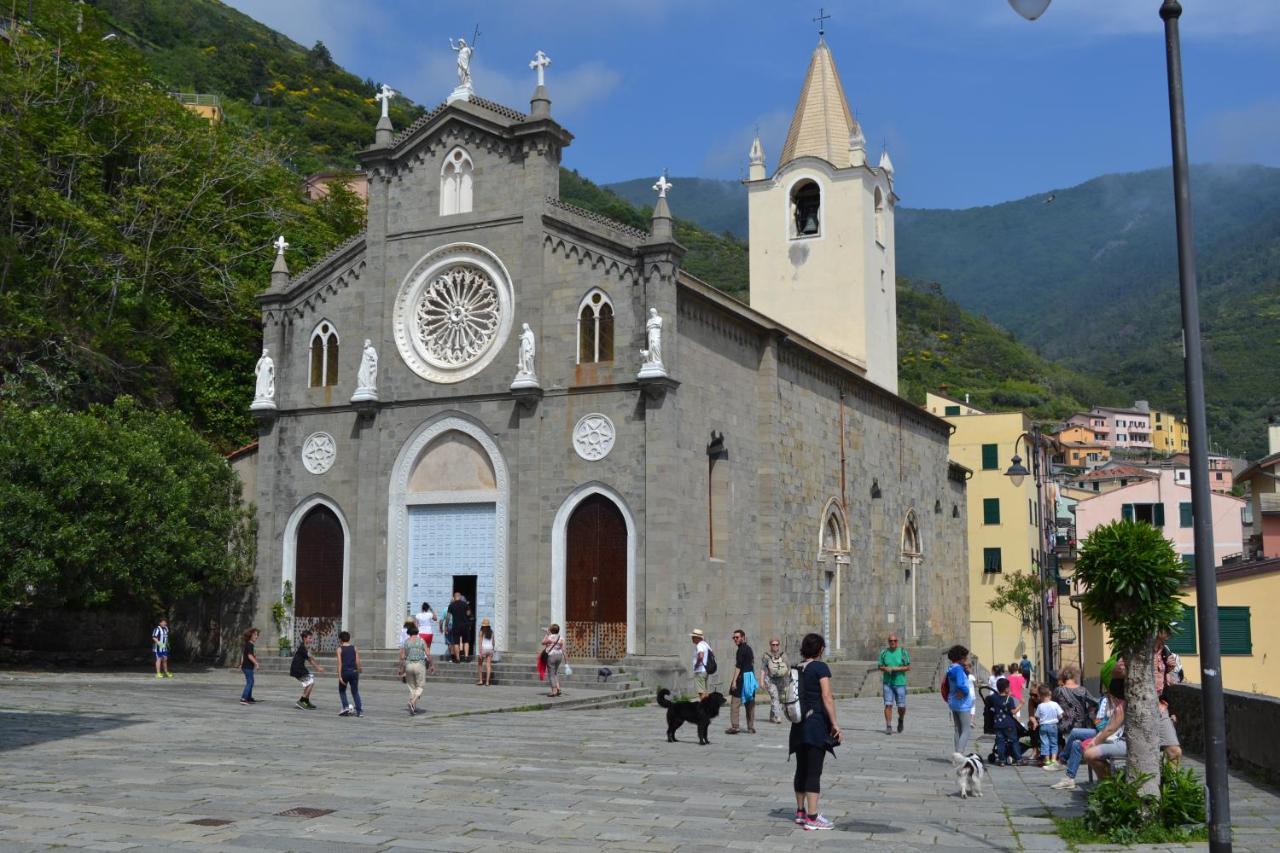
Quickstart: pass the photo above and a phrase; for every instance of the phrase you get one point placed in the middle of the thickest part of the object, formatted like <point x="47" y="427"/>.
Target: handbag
<point x="568" y="670"/>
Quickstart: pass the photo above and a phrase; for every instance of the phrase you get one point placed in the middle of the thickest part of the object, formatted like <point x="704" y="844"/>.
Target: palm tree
<point x="1131" y="577"/>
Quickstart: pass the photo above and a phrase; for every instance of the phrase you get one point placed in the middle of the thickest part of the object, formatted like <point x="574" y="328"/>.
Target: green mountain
<point x="718" y="206"/>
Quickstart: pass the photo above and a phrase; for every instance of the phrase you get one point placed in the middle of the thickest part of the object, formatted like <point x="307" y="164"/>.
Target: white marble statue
<point x="367" y="374"/>
<point x="652" y="356"/>
<point x="264" y="391"/>
<point x="385" y="94"/>
<point x="464" y="52"/>
<point x="539" y="64"/>
<point x="526" y="376"/>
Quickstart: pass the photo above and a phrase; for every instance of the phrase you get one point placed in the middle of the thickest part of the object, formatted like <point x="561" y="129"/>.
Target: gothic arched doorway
<point x="596" y="579"/>
<point x="317" y="596"/>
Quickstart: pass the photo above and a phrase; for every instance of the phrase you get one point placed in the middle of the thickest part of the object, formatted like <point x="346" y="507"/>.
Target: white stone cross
<point x="539" y="64"/>
<point x="385" y="94"/>
<point x="280" y="245"/>
<point x="663" y="185"/>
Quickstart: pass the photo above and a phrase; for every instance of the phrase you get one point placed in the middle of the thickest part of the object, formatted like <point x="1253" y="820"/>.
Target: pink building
<point x="1164" y="503"/>
<point x="1126" y="428"/>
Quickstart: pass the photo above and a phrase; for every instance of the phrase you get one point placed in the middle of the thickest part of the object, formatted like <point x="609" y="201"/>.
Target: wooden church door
<point x="317" y="596"/>
<point x="596" y="580"/>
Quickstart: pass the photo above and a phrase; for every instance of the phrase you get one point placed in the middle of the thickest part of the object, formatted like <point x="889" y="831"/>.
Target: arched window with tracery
<point x="455" y="183"/>
<point x="834" y="536"/>
<point x="324" y="355"/>
<point x="595" y="327"/>
<point x="911" y="536"/>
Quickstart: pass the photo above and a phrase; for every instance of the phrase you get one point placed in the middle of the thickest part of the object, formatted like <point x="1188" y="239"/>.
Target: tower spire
<point x="822" y="125"/>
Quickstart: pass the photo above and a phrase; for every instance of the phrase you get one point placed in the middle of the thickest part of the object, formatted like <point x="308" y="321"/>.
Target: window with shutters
<point x="990" y="457"/>
<point x="1152" y="514"/>
<point x="990" y="510"/>
<point x="951" y="411"/>
<point x="1234" y="629"/>
<point x="1182" y="640"/>
<point x="991" y="563"/>
<point x="1184" y="514"/>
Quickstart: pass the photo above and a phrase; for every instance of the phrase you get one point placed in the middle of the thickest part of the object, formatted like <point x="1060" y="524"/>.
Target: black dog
<point x="699" y="713"/>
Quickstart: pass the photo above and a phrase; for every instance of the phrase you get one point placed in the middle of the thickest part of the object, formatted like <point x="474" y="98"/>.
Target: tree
<point x="1131" y="577"/>
<point x="1019" y="595"/>
<point x="116" y="506"/>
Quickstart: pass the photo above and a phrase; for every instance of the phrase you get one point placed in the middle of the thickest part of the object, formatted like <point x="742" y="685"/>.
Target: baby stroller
<point x="989" y="698"/>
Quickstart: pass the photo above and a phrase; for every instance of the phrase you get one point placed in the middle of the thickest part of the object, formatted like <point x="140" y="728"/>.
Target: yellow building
<point x="208" y="107"/>
<point x="1169" y="433"/>
<point x="1004" y="521"/>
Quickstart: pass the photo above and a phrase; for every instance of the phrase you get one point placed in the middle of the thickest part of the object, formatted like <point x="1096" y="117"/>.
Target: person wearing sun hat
<point x="701" y="654"/>
<point x="484" y="654"/>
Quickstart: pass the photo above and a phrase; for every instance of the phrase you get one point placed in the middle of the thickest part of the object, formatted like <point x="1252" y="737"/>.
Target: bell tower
<point x="821" y="230"/>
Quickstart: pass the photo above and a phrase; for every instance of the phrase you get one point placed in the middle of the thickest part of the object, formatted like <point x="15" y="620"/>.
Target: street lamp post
<point x="1215" y="730"/>
<point x="1016" y="473"/>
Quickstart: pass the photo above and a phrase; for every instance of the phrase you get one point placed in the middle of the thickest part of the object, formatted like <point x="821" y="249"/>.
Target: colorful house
<point x="1079" y="447"/>
<point x="1124" y="428"/>
<point x="1263" y="481"/>
<point x="1169" y="433"/>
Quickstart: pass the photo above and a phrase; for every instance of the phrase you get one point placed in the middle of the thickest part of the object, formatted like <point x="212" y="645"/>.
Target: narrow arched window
<point x="324" y="355"/>
<point x="455" y="183"/>
<point x="911" y="536"/>
<point x="834" y="536"/>
<point x="806" y="209"/>
<point x="879" y="217"/>
<point x="595" y="328"/>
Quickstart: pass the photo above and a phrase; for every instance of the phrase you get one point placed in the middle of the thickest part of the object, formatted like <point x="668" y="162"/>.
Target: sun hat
<point x="696" y="632"/>
<point x="484" y="623"/>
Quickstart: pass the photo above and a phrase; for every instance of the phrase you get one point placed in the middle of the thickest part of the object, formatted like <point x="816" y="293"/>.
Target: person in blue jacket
<point x="959" y="696"/>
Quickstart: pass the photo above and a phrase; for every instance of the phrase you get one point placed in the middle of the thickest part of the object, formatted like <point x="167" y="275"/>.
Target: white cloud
<point x="727" y="157"/>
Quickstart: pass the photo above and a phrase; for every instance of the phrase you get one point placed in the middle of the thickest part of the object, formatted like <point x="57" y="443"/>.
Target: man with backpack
<point x="704" y="663"/>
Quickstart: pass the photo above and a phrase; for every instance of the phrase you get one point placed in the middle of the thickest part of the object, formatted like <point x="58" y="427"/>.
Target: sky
<point x="975" y="104"/>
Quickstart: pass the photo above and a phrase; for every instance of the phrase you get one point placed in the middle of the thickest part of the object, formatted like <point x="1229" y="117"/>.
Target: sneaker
<point x="246" y="701"/>
<point x="817" y="822"/>
<point x="359" y="713"/>
<point x="900" y="722"/>
<point x="158" y="675"/>
<point x="731" y="731"/>
<point x="1051" y="766"/>
<point x="310" y="707"/>
<point x="168" y="674"/>
<point x="800" y="817"/>
<point x="345" y="712"/>
<point x="888" y="730"/>
<point x="1065" y="784"/>
<point x="300" y="705"/>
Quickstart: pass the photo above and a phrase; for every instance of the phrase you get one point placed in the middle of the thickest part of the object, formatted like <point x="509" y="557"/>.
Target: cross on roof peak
<point x="280" y="245"/>
<point x="821" y="21"/>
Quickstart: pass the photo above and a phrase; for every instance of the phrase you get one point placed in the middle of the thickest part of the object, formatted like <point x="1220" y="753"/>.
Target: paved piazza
<point x="113" y="761"/>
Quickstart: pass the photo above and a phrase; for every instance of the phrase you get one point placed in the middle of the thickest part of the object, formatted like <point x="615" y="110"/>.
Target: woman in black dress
<point x="815" y="734"/>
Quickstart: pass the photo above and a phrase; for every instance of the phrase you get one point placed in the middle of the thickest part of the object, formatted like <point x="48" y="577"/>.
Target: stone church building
<point x="551" y="416"/>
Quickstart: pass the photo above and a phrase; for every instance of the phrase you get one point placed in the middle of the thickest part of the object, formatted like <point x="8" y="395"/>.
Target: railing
<point x="198" y="100"/>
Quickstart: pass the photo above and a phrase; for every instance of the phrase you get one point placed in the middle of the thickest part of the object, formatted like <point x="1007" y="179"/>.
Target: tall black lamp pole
<point x="1016" y="473"/>
<point x="1215" y="728"/>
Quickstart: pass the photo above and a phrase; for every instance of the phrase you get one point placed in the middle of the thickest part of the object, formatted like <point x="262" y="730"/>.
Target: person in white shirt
<point x="426" y="625"/>
<point x="701" y="653"/>
<point x="1048" y="714"/>
<point x="997" y="672"/>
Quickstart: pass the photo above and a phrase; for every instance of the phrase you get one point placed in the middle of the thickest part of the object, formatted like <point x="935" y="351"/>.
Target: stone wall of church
<point x="779" y="410"/>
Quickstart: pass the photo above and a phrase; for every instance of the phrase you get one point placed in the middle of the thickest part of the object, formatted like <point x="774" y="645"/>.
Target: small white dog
<point x="969" y="773"/>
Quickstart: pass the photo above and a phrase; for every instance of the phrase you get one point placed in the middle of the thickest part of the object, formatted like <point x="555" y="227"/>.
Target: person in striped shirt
<point x="160" y="646"/>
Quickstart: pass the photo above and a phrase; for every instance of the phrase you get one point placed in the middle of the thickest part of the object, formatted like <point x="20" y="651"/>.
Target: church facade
<point x="492" y="391"/>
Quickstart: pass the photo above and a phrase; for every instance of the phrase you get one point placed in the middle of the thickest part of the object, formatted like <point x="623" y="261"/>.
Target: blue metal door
<point x="447" y="540"/>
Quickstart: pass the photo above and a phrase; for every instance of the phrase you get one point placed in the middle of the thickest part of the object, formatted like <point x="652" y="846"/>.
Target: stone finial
<point x="660" y="227"/>
<point x="857" y="146"/>
<point x="280" y="269"/>
<point x="886" y="164"/>
<point x="383" y="132"/>
<point x="663" y="185"/>
<point x="540" y="104"/>
<point x="756" y="167"/>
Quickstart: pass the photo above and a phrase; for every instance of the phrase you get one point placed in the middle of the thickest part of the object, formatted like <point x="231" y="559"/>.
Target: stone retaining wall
<point x="1252" y="720"/>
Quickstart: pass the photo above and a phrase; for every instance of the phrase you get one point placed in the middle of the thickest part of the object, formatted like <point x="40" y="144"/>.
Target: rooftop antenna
<point x="821" y="21"/>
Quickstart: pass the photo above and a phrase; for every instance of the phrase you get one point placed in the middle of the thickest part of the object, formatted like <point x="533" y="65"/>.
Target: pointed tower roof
<point x="822" y="125"/>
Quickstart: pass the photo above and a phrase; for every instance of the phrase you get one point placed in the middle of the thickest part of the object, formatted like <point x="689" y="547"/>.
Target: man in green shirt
<point x="894" y="663"/>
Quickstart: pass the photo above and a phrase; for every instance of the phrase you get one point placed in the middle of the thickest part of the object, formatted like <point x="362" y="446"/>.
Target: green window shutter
<point x="990" y="457"/>
<point x="1185" y="518"/>
<point x="1183" y="639"/>
<point x="952" y="411"/>
<point x="1189" y="561"/>
<point x="1233" y="628"/>
<point x="991" y="562"/>
<point x="1158" y="513"/>
<point x="990" y="510"/>
<point x="1126" y="511"/>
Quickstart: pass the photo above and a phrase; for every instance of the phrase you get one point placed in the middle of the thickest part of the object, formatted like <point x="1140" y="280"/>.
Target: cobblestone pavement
<point x="117" y="761"/>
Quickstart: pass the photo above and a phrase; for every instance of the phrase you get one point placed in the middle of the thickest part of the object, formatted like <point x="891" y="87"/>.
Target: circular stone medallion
<point x="318" y="452"/>
<point x="453" y="312"/>
<point x="593" y="437"/>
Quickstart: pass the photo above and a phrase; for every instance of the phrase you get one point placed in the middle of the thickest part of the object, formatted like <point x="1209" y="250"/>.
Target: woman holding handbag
<point x="553" y="656"/>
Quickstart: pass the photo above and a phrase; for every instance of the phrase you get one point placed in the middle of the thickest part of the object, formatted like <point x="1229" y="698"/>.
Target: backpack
<point x="791" y="697"/>
<point x="945" y="689"/>
<point x="710" y="663"/>
<point x="777" y="668"/>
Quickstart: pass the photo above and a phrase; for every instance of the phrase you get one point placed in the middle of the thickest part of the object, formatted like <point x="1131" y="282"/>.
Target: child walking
<point x="1017" y="684"/>
<point x="484" y="654"/>
<point x="349" y="669"/>
<point x="298" y="669"/>
<point x="248" y="663"/>
<point x="1048" y="714"/>
<point x="1008" y="748"/>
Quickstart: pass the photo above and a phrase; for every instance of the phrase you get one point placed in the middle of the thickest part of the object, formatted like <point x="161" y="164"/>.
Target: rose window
<point x="457" y="317"/>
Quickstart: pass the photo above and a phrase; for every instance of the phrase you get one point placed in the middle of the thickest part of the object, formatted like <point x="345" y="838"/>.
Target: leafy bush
<point x="1117" y="808"/>
<point x="1181" y="797"/>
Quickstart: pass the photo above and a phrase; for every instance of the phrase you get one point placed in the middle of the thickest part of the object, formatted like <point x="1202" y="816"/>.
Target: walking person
<point x="815" y="734"/>
<point x="160" y="647"/>
<point x="1008" y="747"/>
<point x="484" y="655"/>
<point x="457" y="611"/>
<point x="1048" y="716"/>
<point x="553" y="656"/>
<point x="298" y="669"/>
<point x="426" y="625"/>
<point x="1025" y="666"/>
<point x="469" y="633"/>
<point x="743" y="686"/>
<point x="959" y="697"/>
<point x="348" y="667"/>
<point x="248" y="663"/>
<point x="701" y="655"/>
<point x="1017" y="687"/>
<point x="894" y="663"/>
<point x="775" y="672"/>
<point x="413" y="667"/>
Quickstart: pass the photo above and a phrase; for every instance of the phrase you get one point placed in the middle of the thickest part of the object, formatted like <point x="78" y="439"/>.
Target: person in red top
<point x="1017" y="685"/>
